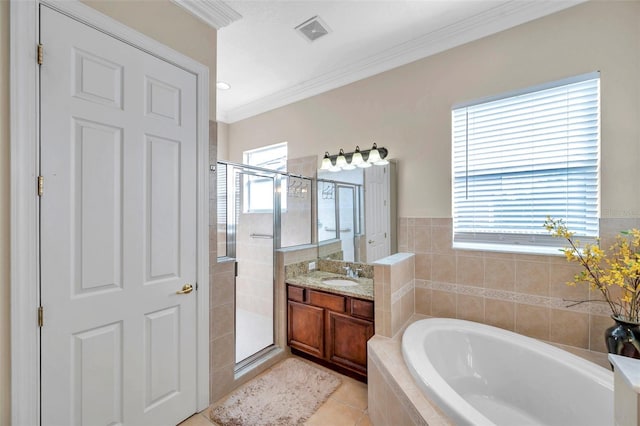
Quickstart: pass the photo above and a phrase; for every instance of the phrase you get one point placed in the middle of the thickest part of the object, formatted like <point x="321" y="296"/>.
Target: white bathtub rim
<point x="428" y="379"/>
<point x="450" y="402"/>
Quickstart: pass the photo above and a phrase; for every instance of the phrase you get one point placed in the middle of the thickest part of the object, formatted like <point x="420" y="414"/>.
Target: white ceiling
<point x="268" y="64"/>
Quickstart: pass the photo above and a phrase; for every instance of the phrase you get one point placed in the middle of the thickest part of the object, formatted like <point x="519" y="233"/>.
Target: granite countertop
<point x="314" y="280"/>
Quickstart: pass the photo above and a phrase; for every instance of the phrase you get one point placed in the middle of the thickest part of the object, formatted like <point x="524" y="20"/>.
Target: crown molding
<point x="215" y="13"/>
<point x="481" y="25"/>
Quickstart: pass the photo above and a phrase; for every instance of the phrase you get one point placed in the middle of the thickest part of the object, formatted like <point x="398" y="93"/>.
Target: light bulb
<point x="374" y="155"/>
<point x="357" y="159"/>
<point x="341" y="161"/>
<point x="326" y="162"/>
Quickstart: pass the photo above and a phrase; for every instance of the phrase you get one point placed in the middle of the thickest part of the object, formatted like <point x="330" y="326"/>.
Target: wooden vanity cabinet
<point x="330" y="327"/>
<point x="306" y="328"/>
<point x="346" y="341"/>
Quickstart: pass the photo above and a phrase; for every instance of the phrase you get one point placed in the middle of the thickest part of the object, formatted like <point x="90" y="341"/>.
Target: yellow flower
<point x="620" y="267"/>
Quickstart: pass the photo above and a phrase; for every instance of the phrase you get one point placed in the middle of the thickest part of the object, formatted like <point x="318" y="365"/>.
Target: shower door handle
<point x="186" y="289"/>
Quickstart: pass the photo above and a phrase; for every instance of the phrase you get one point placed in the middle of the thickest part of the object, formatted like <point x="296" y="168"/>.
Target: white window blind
<point x="519" y="158"/>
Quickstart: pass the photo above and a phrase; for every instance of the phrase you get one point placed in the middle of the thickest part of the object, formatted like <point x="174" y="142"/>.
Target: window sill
<point x="510" y="248"/>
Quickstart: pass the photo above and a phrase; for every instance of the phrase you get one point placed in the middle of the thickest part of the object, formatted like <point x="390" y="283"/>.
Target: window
<point x="521" y="157"/>
<point x="258" y="192"/>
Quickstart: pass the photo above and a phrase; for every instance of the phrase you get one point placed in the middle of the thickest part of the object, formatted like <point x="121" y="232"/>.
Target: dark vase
<point x="623" y="338"/>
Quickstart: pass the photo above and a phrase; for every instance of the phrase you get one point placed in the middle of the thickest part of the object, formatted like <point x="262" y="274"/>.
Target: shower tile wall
<point x="254" y="284"/>
<point x="222" y="343"/>
<point x="523" y="293"/>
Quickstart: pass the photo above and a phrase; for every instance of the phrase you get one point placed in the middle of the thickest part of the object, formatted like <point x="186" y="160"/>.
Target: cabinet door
<point x="305" y="331"/>
<point x="347" y="341"/>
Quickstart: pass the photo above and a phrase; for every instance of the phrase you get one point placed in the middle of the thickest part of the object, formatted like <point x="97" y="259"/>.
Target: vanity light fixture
<point x="351" y="160"/>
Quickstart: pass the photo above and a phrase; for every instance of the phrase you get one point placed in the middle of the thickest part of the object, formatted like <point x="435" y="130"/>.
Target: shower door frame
<point x="231" y="237"/>
<point x="235" y="171"/>
<point x="356" y="221"/>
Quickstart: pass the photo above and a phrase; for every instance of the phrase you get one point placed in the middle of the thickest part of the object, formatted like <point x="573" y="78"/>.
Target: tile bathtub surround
<point x="394" y="289"/>
<point x="523" y="293"/>
<point x="394" y="397"/>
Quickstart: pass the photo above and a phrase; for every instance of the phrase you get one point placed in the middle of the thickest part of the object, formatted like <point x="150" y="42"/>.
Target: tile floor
<point x="347" y="406"/>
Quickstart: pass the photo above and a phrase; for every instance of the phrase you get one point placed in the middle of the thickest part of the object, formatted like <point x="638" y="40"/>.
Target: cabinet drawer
<point x="330" y="301"/>
<point x="295" y="293"/>
<point x="362" y="308"/>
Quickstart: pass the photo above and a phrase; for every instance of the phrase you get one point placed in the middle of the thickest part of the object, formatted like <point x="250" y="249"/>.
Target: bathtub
<point x="482" y="375"/>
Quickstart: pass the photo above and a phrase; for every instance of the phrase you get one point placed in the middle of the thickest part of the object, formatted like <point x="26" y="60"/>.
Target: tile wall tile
<point x="532" y="277"/>
<point x="500" y="313"/>
<point x="443" y="304"/>
<point x="394" y="286"/>
<point x="524" y="293"/>
<point x="569" y="328"/>
<point x="470" y="307"/>
<point x="532" y="321"/>
<point x="422" y="298"/>
<point x="470" y="270"/>
<point x="382" y="294"/>
<point x="499" y="273"/>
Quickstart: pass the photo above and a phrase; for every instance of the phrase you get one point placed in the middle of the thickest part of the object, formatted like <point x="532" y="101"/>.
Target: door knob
<point x="371" y="241"/>
<point x="186" y="289"/>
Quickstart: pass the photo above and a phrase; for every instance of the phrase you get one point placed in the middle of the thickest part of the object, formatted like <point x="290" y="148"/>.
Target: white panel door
<point x="118" y="221"/>
<point x="377" y="223"/>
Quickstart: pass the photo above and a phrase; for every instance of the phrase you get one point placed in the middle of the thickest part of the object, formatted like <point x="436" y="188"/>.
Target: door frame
<point x="24" y="216"/>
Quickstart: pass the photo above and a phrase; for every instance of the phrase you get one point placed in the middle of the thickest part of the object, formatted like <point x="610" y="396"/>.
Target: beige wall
<point x="408" y="109"/>
<point x="161" y="20"/>
<point x="223" y="141"/>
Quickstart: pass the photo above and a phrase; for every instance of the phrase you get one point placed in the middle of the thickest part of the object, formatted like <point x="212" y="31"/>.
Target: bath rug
<point x="287" y="394"/>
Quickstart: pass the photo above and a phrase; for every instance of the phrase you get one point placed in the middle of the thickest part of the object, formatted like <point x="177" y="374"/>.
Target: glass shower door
<point x="253" y="205"/>
<point x="346" y="209"/>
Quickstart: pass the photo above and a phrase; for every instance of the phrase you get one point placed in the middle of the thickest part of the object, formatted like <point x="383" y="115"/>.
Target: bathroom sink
<point x="339" y="282"/>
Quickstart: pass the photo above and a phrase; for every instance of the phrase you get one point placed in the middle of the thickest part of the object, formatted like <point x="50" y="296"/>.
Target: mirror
<point x="356" y="214"/>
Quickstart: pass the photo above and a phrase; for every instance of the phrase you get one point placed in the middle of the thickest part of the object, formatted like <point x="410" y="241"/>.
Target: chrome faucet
<point x="350" y="272"/>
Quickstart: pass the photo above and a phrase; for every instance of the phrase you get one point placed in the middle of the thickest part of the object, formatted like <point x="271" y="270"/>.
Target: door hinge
<point x="40" y="54"/>
<point x="40" y="316"/>
<point x="40" y="186"/>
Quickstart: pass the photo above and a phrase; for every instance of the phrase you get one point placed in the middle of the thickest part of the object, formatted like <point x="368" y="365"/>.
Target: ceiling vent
<point x="312" y="29"/>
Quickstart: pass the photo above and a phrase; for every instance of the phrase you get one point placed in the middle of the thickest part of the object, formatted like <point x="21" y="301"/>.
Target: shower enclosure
<point x="340" y="216"/>
<point x="259" y="211"/>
